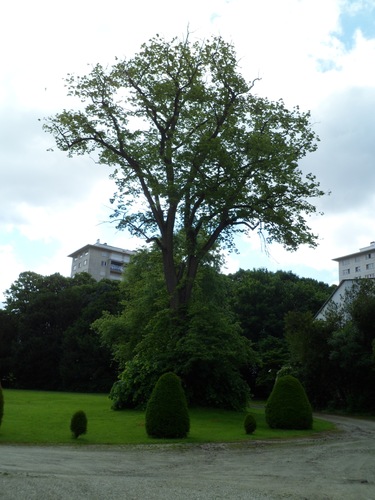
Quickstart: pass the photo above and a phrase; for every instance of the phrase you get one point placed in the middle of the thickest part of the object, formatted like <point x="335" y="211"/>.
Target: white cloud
<point x="55" y="204"/>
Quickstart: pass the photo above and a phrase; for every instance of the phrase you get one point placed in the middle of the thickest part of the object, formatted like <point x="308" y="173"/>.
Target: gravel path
<point x="337" y="466"/>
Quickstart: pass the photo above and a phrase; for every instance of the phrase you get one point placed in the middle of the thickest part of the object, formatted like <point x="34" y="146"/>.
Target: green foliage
<point x="204" y="346"/>
<point x="1" y="404"/>
<point x="310" y="356"/>
<point x="49" y="343"/>
<point x="8" y="335"/>
<point x="211" y="354"/>
<point x="334" y="358"/>
<point x="144" y="297"/>
<point x="210" y="160"/>
<point x="78" y="423"/>
<point x="250" y="424"/>
<point x="273" y="354"/>
<point x="167" y="414"/>
<point x="261" y="299"/>
<point x="288" y="406"/>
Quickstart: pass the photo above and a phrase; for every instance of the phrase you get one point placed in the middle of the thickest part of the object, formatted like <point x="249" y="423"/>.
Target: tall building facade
<point x="358" y="265"/>
<point x="100" y="260"/>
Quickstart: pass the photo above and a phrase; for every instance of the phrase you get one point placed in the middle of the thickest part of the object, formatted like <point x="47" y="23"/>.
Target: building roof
<point x="337" y="295"/>
<point x="103" y="246"/>
<point x="361" y="250"/>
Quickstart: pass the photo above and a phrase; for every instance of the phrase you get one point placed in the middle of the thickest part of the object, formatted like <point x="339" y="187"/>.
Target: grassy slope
<point x="44" y="417"/>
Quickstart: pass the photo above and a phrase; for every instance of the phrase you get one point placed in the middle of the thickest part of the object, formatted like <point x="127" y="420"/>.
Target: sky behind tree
<point x="317" y="54"/>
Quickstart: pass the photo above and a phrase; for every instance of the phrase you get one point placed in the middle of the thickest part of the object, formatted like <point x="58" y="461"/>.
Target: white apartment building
<point x="358" y="265"/>
<point x="100" y="260"/>
<point x="355" y="265"/>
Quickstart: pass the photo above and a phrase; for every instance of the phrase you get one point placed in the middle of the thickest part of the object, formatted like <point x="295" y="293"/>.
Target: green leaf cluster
<point x="46" y="338"/>
<point x="1" y="404"/>
<point x="334" y="358"/>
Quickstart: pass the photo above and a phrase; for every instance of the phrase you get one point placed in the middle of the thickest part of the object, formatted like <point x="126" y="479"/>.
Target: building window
<point x="368" y="256"/>
<point x="116" y="267"/>
<point x="370" y="266"/>
<point x="74" y="267"/>
<point x="358" y="269"/>
<point x="104" y="263"/>
<point x="346" y="272"/>
<point x="345" y="262"/>
<point x="87" y="252"/>
<point x="80" y="264"/>
<point x="357" y="259"/>
<point x="85" y="262"/>
<point x="372" y="275"/>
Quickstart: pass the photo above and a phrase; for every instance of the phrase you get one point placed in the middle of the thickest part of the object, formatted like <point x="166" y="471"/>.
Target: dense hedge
<point x="1" y="404"/>
<point x="250" y="423"/>
<point x="78" y="423"/>
<point x="288" y="406"/>
<point x="167" y="413"/>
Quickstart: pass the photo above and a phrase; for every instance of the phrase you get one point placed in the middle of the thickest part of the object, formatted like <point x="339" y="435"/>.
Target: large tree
<point x="197" y="156"/>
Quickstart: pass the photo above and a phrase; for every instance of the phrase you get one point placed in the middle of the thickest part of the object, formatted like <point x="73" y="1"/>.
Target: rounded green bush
<point x="1" y="404"/>
<point x="250" y="423"/>
<point x="288" y="406"/>
<point x="167" y="414"/>
<point x="78" y="423"/>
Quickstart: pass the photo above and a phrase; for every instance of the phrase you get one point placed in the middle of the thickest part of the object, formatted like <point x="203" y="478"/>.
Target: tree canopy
<point x="197" y="156"/>
<point x="335" y="357"/>
<point x="46" y="341"/>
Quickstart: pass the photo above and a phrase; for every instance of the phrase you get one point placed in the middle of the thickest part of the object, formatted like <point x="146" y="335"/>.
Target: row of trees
<point x="55" y="335"/>
<point x="77" y="334"/>
<point x="230" y="339"/>
<point x="45" y="337"/>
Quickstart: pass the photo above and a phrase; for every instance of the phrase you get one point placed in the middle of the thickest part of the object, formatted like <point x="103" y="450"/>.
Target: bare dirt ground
<point x="336" y="466"/>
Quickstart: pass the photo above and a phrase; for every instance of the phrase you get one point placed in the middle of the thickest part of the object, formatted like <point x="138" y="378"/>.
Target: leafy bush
<point x="78" y="423"/>
<point x="1" y="404"/>
<point x="167" y="413"/>
<point x="250" y="423"/>
<point x="288" y="406"/>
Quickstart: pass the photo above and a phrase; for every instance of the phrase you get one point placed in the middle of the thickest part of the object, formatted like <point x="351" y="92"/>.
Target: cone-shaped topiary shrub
<point x="288" y="406"/>
<point x="167" y="414"/>
<point x="1" y="404"/>
<point x="250" y="423"/>
<point x="78" y="423"/>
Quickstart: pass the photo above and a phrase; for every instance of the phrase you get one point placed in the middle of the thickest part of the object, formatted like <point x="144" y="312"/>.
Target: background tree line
<point x="46" y="341"/>
<point x="335" y="357"/>
<point x="77" y="334"/>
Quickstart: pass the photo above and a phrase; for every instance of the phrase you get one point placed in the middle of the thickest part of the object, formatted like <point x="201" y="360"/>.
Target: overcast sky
<point x="318" y="54"/>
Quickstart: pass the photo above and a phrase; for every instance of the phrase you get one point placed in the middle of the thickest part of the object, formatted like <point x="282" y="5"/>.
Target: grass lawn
<point x="39" y="417"/>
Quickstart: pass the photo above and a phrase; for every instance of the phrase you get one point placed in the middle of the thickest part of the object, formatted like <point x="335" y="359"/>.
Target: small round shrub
<point x="288" y="406"/>
<point x="78" y="423"/>
<point x="250" y="423"/>
<point x="1" y="404"/>
<point x="167" y="414"/>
